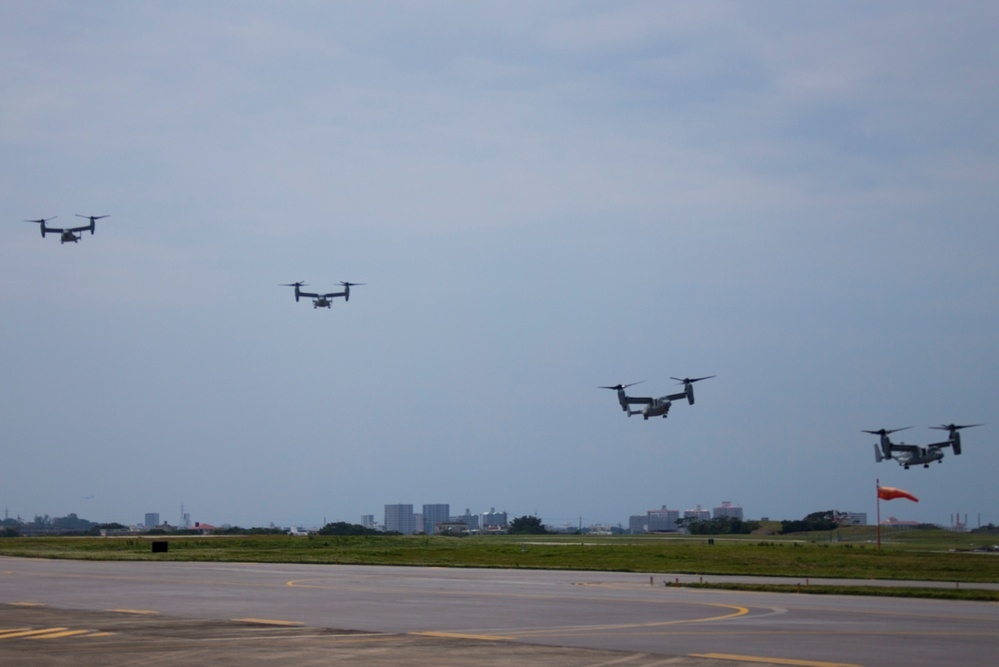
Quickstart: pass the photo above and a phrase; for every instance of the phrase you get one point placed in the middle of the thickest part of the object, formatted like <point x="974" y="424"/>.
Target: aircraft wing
<point x="333" y="294"/>
<point x="938" y="445"/>
<point x="676" y="397"/>
<point x="85" y="228"/>
<point x="639" y="400"/>
<point x="904" y="448"/>
<point x="301" y="293"/>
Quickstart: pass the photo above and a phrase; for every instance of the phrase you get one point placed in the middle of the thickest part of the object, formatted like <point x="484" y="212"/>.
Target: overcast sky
<point x="542" y="198"/>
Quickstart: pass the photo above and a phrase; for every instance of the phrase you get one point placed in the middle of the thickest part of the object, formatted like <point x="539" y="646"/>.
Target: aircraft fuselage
<point x="657" y="408"/>
<point x="923" y="456"/>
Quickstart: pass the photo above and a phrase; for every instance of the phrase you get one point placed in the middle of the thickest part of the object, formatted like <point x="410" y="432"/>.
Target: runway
<point x="569" y="618"/>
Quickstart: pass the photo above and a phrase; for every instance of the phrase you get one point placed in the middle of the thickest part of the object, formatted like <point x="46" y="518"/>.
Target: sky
<point x="540" y="199"/>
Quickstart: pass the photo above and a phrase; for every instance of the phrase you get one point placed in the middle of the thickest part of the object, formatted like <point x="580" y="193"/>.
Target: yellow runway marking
<point x="739" y="611"/>
<point x="588" y="629"/>
<point x="265" y="621"/>
<point x="772" y="661"/>
<point x="458" y="635"/>
<point x="59" y="635"/>
<point x="144" y="612"/>
<point x="29" y="633"/>
<point x="320" y="583"/>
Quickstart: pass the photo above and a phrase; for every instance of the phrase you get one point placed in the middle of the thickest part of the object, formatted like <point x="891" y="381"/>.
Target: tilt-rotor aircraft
<point x="68" y="234"/>
<point x="910" y="455"/>
<point x="655" y="406"/>
<point x="321" y="300"/>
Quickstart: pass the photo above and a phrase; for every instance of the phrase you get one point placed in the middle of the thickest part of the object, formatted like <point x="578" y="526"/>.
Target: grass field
<point x="849" y="553"/>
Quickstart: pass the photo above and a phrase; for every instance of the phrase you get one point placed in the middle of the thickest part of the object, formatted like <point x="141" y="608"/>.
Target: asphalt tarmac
<point x="46" y="637"/>
<point x="132" y="613"/>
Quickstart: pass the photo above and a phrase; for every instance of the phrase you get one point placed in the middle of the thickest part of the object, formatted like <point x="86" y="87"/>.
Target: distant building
<point x="470" y="520"/>
<point x="152" y="519"/>
<point x="851" y="518"/>
<point x="663" y="520"/>
<point x="638" y="523"/>
<point x="697" y="514"/>
<point x="493" y="520"/>
<point x="205" y="528"/>
<point x="452" y="528"/>
<point x="400" y="518"/>
<point x="728" y="510"/>
<point x="434" y="515"/>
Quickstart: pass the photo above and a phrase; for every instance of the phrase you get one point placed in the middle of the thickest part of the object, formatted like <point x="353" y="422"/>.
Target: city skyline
<point x="416" y="521"/>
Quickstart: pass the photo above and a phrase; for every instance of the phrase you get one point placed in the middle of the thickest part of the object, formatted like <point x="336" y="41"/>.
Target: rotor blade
<point x="92" y="217"/>
<point x="883" y="431"/>
<point x="43" y="220"/>
<point x="300" y="283"/>
<point x="347" y="283"/>
<point x="691" y="380"/>
<point x="619" y="387"/>
<point x="954" y="427"/>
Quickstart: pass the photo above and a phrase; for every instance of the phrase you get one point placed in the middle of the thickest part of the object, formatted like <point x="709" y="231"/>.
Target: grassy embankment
<point x="849" y="553"/>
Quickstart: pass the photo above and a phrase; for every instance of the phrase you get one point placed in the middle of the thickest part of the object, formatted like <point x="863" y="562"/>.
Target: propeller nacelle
<point x="346" y="288"/>
<point x="688" y="387"/>
<point x="955" y="436"/>
<point x="297" y="286"/>
<point x="622" y="398"/>
<point x="93" y="219"/>
<point x="41" y="223"/>
<point x="885" y="440"/>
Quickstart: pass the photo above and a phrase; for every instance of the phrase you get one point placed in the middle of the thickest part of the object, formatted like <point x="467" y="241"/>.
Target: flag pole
<point x="878" y="494"/>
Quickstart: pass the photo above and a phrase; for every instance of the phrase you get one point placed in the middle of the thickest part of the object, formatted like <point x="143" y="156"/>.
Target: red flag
<point x="890" y="493"/>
